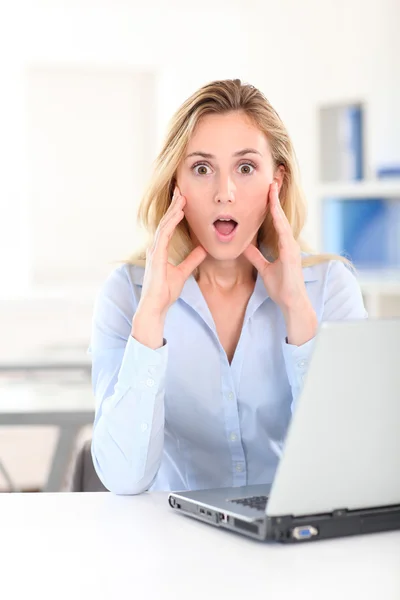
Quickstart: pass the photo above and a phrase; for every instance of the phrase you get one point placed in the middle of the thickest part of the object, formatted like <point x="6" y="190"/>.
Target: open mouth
<point x="225" y="227"/>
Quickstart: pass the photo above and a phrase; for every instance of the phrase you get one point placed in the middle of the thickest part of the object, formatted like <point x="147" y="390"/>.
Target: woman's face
<point x="225" y="176"/>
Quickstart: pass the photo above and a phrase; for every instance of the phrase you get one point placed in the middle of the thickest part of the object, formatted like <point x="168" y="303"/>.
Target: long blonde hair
<point x="223" y="97"/>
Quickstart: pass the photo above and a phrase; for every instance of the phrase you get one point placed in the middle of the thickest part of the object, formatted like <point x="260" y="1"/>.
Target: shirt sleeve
<point x="128" y="382"/>
<point x="342" y="301"/>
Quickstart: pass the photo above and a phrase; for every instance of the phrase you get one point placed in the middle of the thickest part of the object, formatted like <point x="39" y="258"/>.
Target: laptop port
<point x="202" y="511"/>
<point x="251" y="527"/>
<point x="173" y="503"/>
<point x="223" y="518"/>
<point x="209" y="514"/>
<point x="304" y="533"/>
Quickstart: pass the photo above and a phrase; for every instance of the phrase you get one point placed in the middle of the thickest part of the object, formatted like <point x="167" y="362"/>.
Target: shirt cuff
<point x="297" y="360"/>
<point x="142" y="367"/>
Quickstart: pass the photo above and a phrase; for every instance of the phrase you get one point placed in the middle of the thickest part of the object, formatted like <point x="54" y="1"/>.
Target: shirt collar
<point x="192" y="296"/>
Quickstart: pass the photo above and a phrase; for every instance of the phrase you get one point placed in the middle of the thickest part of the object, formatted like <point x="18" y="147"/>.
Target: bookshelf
<point x="380" y="287"/>
<point x="342" y="155"/>
<point x="377" y="285"/>
<point x="389" y="188"/>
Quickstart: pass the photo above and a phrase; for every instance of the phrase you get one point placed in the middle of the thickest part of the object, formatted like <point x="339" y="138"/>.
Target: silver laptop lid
<point x="342" y="450"/>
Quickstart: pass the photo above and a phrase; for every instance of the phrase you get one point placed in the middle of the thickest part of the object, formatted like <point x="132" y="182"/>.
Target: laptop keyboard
<point x="257" y="502"/>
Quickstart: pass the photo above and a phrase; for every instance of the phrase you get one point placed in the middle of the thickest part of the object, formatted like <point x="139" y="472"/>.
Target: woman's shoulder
<point x="336" y="292"/>
<point x="122" y="287"/>
<point x="125" y="275"/>
<point x="320" y="266"/>
<point x="133" y="273"/>
<point x="331" y="275"/>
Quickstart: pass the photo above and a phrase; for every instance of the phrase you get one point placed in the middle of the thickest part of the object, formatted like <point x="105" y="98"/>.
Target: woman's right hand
<point x="163" y="282"/>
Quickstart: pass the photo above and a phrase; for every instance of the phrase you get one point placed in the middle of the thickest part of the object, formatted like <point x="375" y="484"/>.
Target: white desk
<point x="100" y="546"/>
<point x="69" y="406"/>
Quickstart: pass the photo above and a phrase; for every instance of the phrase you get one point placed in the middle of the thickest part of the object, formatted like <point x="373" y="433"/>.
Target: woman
<point x="200" y="348"/>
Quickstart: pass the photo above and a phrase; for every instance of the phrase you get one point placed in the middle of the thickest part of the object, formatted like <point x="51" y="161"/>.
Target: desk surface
<point x="102" y="546"/>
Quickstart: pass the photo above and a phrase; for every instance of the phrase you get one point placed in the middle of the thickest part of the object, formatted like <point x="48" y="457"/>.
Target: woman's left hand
<point x="284" y="279"/>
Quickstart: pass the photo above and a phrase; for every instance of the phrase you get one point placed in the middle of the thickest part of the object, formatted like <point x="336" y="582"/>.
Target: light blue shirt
<point x="181" y="417"/>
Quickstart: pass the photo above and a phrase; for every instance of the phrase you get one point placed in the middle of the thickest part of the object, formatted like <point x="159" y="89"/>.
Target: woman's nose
<point x="226" y="191"/>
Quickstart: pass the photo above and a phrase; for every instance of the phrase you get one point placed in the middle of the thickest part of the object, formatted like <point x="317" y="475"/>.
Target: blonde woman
<point x="200" y="344"/>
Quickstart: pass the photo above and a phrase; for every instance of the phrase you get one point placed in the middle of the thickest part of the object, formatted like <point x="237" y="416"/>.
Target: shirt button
<point x="149" y="382"/>
<point x="231" y="396"/>
<point x="152" y="370"/>
<point x="233" y="437"/>
<point x="144" y="427"/>
<point x="302" y="364"/>
<point x="239" y="467"/>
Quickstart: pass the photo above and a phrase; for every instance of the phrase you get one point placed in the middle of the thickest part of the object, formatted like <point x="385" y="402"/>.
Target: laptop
<point x="339" y="473"/>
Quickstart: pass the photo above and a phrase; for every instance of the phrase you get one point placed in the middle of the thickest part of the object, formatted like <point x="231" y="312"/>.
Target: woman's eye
<point x="201" y="169"/>
<point x="246" y="168"/>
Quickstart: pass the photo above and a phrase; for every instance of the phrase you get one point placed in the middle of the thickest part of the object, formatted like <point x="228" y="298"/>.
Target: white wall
<point x="91" y="139"/>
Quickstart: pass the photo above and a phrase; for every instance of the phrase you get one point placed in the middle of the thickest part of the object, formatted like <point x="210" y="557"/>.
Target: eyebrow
<point x="238" y="153"/>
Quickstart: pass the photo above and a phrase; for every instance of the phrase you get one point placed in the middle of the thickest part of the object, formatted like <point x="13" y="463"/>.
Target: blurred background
<point x="87" y="89"/>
